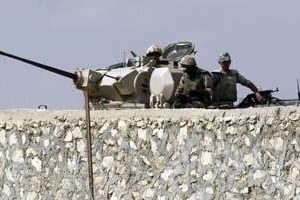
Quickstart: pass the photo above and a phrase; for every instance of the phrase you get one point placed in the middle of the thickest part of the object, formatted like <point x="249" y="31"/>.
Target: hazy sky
<point x="262" y="37"/>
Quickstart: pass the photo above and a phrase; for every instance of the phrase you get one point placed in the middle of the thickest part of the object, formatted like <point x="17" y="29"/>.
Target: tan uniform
<point x="223" y="84"/>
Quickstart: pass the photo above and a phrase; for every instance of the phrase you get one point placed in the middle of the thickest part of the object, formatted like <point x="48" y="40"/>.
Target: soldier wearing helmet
<point x="192" y="89"/>
<point x="153" y="54"/>
<point x="224" y="83"/>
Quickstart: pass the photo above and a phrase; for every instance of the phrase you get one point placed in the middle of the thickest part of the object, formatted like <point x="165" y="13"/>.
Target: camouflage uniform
<point x="191" y="90"/>
<point x="153" y="54"/>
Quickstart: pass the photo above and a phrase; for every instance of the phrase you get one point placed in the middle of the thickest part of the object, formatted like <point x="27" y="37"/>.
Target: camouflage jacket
<point x="193" y="85"/>
<point x="224" y="85"/>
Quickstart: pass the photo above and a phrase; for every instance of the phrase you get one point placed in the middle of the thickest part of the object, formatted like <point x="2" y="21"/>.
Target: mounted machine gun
<point x="269" y="100"/>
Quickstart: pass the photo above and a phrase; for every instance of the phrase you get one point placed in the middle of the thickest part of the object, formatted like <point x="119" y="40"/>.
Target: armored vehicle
<point x="141" y="82"/>
<point x="133" y="81"/>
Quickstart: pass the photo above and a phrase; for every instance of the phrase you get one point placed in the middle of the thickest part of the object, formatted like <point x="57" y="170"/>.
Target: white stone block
<point x="165" y="175"/>
<point x="153" y="147"/>
<point x="182" y="136"/>
<point x="277" y="143"/>
<point x="109" y="141"/>
<point x="114" y="133"/>
<point x="145" y="160"/>
<point x="68" y="137"/>
<point x="206" y="158"/>
<point x="120" y="141"/>
<point x="18" y="156"/>
<point x="247" y="141"/>
<point x="9" y="125"/>
<point x="46" y="142"/>
<point x="122" y="125"/>
<point x="259" y="174"/>
<point x="30" y="152"/>
<point x="288" y="191"/>
<point x="193" y="158"/>
<point x="149" y="193"/>
<point x="80" y="145"/>
<point x="77" y="133"/>
<point x="10" y="175"/>
<point x="108" y="162"/>
<point x="294" y="174"/>
<point x="13" y="139"/>
<point x="184" y="188"/>
<point x="270" y="121"/>
<point x="231" y="130"/>
<point x="132" y="145"/>
<point x="24" y="139"/>
<point x="161" y="197"/>
<point x="208" y="176"/>
<point x="160" y="133"/>
<point x="298" y="190"/>
<point x="209" y="190"/>
<point x="104" y="128"/>
<point x="142" y="134"/>
<point x="3" y="137"/>
<point x="6" y="190"/>
<point x="249" y="159"/>
<point x="37" y="163"/>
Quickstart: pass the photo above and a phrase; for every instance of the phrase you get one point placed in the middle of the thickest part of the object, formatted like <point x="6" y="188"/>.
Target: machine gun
<point x="251" y="101"/>
<point x="269" y="100"/>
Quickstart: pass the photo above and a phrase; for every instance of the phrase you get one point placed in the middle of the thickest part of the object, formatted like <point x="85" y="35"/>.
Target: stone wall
<point x="152" y="154"/>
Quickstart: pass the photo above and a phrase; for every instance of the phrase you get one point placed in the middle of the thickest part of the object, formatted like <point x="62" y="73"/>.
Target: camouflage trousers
<point x="186" y="101"/>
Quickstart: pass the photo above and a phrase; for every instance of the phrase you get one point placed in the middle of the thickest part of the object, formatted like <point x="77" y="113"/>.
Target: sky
<point x="262" y="37"/>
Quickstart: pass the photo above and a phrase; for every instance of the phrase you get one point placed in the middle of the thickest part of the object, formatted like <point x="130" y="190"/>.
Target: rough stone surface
<point x="152" y="154"/>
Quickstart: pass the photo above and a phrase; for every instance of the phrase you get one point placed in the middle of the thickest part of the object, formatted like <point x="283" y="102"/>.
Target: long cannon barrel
<point x="40" y="65"/>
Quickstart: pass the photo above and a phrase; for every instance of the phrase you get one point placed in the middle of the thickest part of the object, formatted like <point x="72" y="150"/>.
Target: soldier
<point x="192" y="89"/>
<point x="223" y="83"/>
<point x="153" y="54"/>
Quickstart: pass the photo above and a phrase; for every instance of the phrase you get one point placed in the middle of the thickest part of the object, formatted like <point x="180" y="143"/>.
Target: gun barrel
<point x="40" y="65"/>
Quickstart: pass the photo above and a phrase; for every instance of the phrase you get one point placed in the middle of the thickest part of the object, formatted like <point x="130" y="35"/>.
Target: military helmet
<point x="223" y="57"/>
<point x="154" y="50"/>
<point x="187" y="61"/>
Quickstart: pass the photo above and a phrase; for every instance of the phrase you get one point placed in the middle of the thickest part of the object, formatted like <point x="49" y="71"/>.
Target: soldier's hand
<point x="259" y="97"/>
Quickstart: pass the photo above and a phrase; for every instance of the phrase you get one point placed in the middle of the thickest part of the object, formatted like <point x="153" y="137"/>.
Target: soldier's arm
<point x="245" y="82"/>
<point x="242" y="80"/>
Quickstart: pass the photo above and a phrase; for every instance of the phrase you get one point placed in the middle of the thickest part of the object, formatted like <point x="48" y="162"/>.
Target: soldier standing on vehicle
<point x="152" y="57"/>
<point x="223" y="83"/>
<point x="192" y="89"/>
